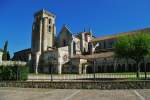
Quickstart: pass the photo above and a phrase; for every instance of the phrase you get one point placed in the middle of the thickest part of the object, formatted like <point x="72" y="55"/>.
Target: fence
<point x="96" y="74"/>
<point x="87" y="77"/>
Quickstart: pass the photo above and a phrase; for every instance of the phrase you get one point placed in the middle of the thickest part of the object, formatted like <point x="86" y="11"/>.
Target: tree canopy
<point x="135" y="47"/>
<point x="139" y="46"/>
<point x="122" y="47"/>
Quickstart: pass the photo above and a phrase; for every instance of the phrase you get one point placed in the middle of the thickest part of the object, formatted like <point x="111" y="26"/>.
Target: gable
<point x="65" y="31"/>
<point x="64" y="37"/>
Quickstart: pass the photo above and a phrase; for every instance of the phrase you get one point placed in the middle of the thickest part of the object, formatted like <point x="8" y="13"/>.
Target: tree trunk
<point x="138" y="70"/>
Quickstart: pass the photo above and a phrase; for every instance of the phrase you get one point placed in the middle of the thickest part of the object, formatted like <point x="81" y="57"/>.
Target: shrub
<point x="13" y="72"/>
<point x="23" y="73"/>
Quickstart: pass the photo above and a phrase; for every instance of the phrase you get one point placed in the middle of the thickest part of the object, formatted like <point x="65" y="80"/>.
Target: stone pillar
<point x="54" y="35"/>
<point x="37" y="62"/>
<point x="59" y="68"/>
<point x="84" y="69"/>
<point x="29" y="57"/>
<point x="80" y="69"/>
<point x="71" y="49"/>
<point x="44" y="35"/>
<point x="83" y="40"/>
<point x="40" y="35"/>
<point x="92" y="50"/>
<point x="37" y="51"/>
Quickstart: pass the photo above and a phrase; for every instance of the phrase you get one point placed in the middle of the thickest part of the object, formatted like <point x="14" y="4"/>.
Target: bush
<point x="23" y="73"/>
<point x="13" y="73"/>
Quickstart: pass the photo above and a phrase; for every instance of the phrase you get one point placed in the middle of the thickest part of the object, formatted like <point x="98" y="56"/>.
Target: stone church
<point x="70" y="52"/>
<point x="51" y="52"/>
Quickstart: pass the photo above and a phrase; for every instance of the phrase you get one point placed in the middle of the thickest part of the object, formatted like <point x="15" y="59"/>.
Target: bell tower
<point x="43" y="35"/>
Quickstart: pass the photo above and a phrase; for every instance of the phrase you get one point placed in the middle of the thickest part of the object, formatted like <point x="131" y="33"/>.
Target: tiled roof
<point x="24" y="50"/>
<point x="95" y="56"/>
<point x="145" y="30"/>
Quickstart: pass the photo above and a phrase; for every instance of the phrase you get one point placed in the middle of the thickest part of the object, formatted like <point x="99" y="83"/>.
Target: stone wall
<point x="12" y="63"/>
<point x="81" y="85"/>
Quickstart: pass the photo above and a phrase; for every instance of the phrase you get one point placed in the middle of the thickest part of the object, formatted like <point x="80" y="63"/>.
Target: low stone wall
<point x="80" y="85"/>
<point x="12" y="63"/>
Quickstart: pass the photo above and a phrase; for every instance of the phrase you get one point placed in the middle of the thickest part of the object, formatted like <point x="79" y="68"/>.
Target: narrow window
<point x="74" y="48"/>
<point x="49" y="29"/>
<point x="49" y="21"/>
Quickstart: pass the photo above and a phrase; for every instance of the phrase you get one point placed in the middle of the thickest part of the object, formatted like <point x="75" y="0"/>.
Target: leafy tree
<point x="6" y="55"/>
<point x="140" y="47"/>
<point x="122" y="48"/>
<point x="135" y="47"/>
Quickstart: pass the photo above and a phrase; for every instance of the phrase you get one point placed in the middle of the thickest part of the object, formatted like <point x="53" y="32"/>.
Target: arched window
<point x="49" y="29"/>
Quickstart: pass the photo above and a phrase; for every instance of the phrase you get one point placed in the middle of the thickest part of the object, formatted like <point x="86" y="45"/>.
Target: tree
<point x="140" y="47"/>
<point x="135" y="47"/>
<point x="122" y="48"/>
<point x="6" y="55"/>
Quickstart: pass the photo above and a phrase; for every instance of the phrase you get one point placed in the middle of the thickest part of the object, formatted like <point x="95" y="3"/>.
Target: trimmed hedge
<point x="14" y="72"/>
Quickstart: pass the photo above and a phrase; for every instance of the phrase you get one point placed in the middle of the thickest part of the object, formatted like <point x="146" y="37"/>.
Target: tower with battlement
<point x="43" y="35"/>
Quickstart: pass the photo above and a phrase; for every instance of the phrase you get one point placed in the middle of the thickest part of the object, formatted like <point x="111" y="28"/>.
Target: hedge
<point x="13" y="72"/>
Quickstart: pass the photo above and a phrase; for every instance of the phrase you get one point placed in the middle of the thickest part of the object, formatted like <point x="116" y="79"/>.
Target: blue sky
<point x="103" y="16"/>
